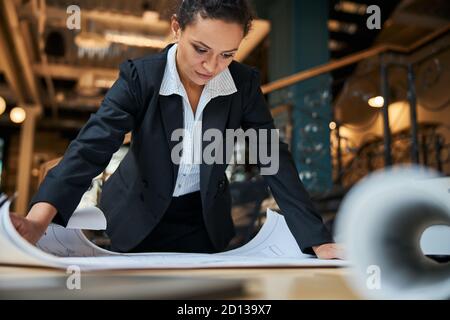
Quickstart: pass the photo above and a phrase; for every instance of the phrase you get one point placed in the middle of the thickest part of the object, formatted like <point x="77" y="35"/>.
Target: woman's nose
<point x="210" y="65"/>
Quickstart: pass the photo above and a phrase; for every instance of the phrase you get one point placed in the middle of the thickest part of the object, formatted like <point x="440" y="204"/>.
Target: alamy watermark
<point x="73" y="281"/>
<point x="373" y="281"/>
<point x="215" y="147"/>
<point x="73" y="21"/>
<point x="374" y="20"/>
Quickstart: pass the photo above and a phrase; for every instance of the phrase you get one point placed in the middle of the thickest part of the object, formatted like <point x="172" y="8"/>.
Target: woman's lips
<point x="203" y="76"/>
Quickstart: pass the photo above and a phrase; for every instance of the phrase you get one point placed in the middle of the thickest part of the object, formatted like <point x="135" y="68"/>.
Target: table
<point x="257" y="283"/>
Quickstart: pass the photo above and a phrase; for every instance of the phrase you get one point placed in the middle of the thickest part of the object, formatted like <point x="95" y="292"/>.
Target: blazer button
<point x="221" y="184"/>
<point x="145" y="183"/>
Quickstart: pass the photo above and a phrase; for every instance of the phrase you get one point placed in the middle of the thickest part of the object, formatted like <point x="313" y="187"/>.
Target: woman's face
<point x="205" y="48"/>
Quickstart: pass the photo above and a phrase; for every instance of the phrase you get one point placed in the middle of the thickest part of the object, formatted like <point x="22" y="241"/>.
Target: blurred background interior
<point x="347" y="99"/>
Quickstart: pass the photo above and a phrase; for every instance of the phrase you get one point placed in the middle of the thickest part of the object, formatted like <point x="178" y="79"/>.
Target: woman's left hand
<point x="329" y="251"/>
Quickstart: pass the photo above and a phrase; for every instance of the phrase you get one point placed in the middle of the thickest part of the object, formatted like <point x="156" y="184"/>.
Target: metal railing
<point x="388" y="56"/>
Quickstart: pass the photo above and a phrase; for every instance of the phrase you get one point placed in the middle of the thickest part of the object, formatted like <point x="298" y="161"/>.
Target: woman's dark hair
<point x="238" y="11"/>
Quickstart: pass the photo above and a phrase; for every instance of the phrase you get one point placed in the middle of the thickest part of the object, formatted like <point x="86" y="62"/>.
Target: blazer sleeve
<point x="304" y="222"/>
<point x="89" y="154"/>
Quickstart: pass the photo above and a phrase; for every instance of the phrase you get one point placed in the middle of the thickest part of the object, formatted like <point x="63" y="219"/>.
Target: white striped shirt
<point x="188" y="179"/>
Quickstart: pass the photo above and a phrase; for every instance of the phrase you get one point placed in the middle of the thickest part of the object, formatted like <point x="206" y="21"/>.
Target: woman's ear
<point x="175" y="26"/>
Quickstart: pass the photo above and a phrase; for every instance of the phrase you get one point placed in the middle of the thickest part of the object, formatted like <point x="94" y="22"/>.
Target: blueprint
<point x="273" y="246"/>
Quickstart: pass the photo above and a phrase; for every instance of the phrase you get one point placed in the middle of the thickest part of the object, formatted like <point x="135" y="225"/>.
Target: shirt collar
<point x="221" y="85"/>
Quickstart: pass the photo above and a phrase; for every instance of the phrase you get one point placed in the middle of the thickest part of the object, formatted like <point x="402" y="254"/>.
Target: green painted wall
<point x="299" y="41"/>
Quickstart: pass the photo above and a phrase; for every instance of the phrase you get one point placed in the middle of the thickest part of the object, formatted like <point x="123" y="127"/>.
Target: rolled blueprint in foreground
<point x="381" y="223"/>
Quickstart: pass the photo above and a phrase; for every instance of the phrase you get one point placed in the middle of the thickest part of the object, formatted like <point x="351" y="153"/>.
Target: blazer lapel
<point x="215" y="116"/>
<point x="172" y="115"/>
<point x="171" y="106"/>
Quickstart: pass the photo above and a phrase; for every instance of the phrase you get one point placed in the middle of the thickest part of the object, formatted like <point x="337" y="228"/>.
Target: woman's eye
<point x="200" y="50"/>
<point x="228" y="56"/>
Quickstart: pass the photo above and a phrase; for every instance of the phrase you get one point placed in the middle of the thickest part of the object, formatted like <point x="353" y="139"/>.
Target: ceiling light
<point x="17" y="115"/>
<point x="339" y="26"/>
<point x="376" y="102"/>
<point x="334" y="45"/>
<point x="2" y="105"/>
<point x="332" y="125"/>
<point x="351" y="7"/>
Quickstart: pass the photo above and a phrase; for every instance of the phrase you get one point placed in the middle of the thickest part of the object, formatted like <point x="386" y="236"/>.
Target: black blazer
<point x="136" y="196"/>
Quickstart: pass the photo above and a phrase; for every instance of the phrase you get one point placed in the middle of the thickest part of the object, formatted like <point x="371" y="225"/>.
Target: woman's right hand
<point x="33" y="226"/>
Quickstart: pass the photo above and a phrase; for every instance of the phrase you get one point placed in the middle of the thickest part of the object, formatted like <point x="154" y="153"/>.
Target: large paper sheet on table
<point x="273" y="246"/>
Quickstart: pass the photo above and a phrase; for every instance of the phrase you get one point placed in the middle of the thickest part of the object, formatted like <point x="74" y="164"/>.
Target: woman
<point x="152" y="203"/>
